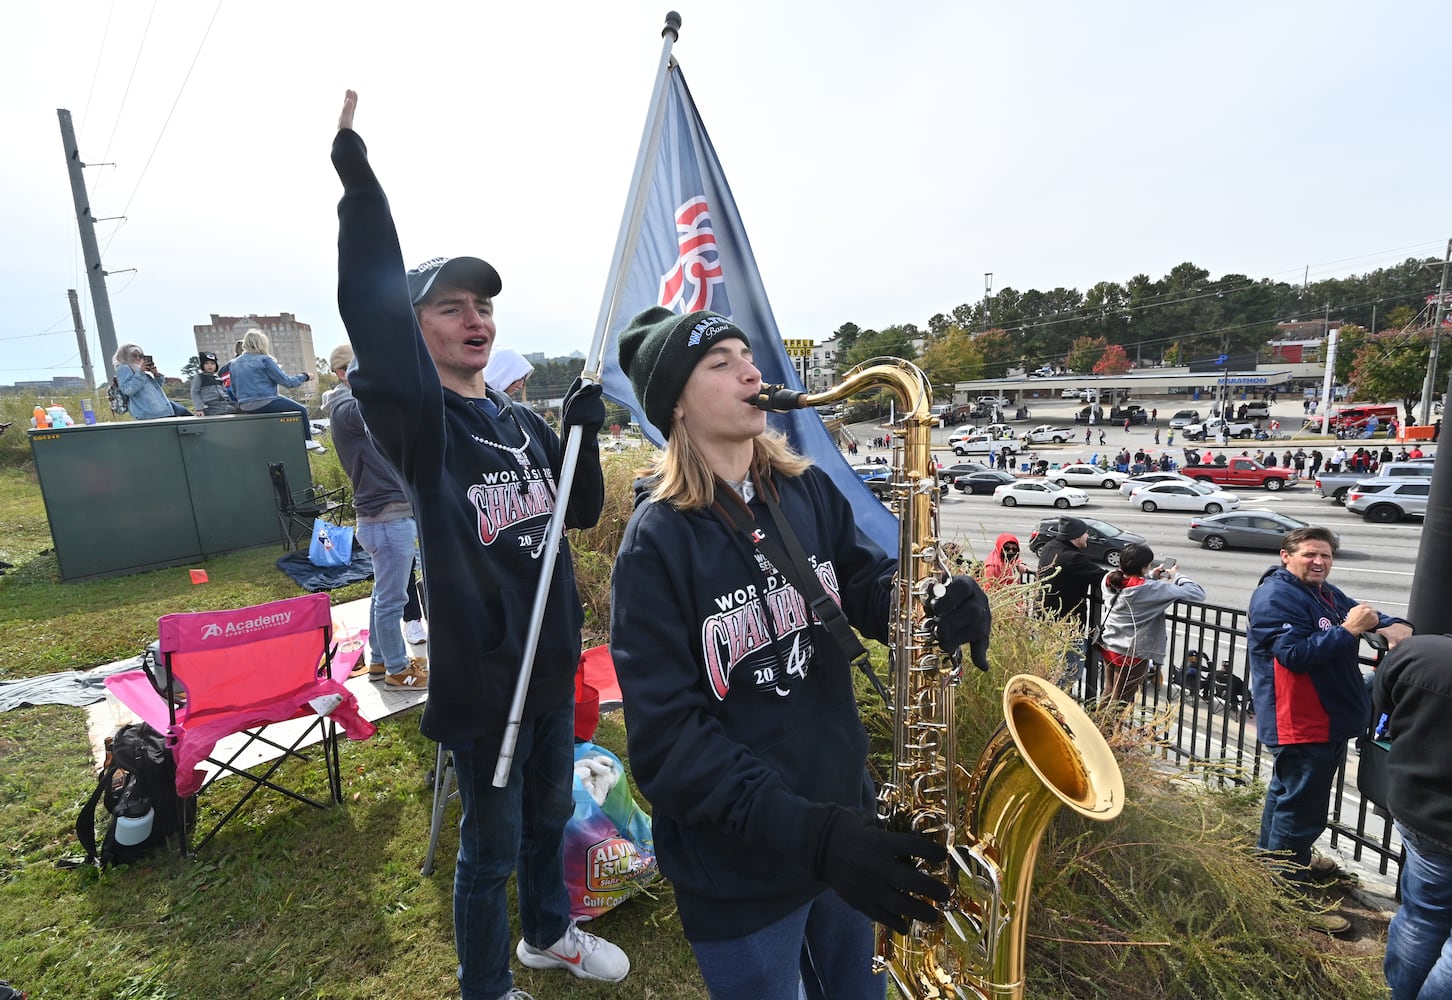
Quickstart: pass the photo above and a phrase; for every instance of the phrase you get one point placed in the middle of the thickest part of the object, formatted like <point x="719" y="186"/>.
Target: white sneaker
<point x="579" y="953"/>
<point x="312" y="445"/>
<point x="415" y="632"/>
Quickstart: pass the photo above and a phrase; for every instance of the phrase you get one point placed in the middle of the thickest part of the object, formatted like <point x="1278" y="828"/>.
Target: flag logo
<point x="695" y="281"/>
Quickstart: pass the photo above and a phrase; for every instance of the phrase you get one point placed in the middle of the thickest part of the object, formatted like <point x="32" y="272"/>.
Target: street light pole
<point x="987" y="291"/>
<point x="1436" y="342"/>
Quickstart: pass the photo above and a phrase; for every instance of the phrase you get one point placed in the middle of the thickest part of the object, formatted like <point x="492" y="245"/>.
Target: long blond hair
<point x="256" y="342"/>
<point x="684" y="480"/>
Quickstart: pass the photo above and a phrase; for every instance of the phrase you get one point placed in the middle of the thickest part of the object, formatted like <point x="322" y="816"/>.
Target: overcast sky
<point x="884" y="156"/>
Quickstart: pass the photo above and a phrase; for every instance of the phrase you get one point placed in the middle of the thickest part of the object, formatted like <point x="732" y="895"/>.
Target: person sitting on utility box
<point x="142" y="385"/>
<point x="209" y="393"/>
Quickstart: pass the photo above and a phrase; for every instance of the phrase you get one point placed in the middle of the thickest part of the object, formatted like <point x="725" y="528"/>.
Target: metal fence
<point x="1203" y="690"/>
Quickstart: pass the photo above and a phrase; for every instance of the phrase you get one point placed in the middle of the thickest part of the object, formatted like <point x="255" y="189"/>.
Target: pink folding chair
<point x="226" y="672"/>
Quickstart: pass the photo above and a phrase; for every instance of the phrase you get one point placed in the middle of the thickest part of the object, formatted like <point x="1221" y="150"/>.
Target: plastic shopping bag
<point x="332" y="544"/>
<point x="609" y="849"/>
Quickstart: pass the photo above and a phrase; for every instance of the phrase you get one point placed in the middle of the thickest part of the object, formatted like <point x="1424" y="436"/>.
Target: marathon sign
<point x="1246" y="380"/>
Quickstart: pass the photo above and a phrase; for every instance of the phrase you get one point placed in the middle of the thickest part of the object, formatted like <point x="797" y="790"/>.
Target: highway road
<point x="1375" y="563"/>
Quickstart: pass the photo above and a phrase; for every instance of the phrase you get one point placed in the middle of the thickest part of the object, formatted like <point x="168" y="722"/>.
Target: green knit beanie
<point x="659" y="350"/>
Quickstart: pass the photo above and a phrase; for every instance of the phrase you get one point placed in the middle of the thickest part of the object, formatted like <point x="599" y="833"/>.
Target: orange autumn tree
<point x="1113" y="362"/>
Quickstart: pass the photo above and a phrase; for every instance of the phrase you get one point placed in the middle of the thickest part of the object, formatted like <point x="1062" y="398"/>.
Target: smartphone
<point x="148" y="361"/>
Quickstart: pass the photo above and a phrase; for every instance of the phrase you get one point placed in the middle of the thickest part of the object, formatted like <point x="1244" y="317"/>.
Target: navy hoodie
<point x="1414" y="689"/>
<point x="740" y="710"/>
<point x="481" y="476"/>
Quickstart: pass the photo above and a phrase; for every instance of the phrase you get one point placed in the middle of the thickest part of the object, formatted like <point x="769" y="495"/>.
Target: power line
<point x="172" y="110"/>
<point x="141" y="46"/>
<point x="96" y="73"/>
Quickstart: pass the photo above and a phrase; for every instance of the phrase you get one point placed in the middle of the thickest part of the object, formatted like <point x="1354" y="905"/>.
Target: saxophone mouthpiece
<point x="779" y="399"/>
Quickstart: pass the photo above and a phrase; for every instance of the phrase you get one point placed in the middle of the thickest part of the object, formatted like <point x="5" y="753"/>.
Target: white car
<point x="1184" y="496"/>
<point x="1083" y="474"/>
<point x="993" y="400"/>
<point x="1044" y="433"/>
<point x="1069" y="393"/>
<point x="1039" y="493"/>
<point x="981" y="444"/>
<point x="1149" y="479"/>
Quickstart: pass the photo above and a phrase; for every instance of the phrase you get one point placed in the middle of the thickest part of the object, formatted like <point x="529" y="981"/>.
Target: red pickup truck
<point x="1242" y="472"/>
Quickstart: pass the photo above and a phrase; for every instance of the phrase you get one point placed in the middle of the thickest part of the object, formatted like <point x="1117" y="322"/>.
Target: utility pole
<point x="105" y="328"/>
<point x="1431" y="384"/>
<point x="987" y="291"/>
<point x="81" y="339"/>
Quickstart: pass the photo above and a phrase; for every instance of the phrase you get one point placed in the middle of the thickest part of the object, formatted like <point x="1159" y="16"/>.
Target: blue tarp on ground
<point x="74" y="687"/>
<point x="315" y="578"/>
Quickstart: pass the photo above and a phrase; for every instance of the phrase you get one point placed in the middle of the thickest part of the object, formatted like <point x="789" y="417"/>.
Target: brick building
<point x="292" y="343"/>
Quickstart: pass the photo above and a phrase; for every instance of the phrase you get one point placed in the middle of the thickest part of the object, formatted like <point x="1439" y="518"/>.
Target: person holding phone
<point x="1132" y="636"/>
<point x="142" y="385"/>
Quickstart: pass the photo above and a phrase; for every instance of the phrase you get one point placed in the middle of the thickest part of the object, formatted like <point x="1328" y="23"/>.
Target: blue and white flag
<point x="693" y="253"/>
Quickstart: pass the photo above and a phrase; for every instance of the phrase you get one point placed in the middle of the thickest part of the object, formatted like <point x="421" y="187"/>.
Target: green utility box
<point x="137" y="495"/>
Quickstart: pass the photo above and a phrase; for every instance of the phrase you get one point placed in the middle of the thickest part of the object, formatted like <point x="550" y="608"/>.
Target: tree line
<point x="1185" y="314"/>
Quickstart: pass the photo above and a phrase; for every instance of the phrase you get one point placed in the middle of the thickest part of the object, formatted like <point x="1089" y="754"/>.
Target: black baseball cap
<point x="468" y="273"/>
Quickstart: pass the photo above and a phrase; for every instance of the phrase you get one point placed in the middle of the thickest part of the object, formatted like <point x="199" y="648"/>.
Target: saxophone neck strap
<point x="781" y="547"/>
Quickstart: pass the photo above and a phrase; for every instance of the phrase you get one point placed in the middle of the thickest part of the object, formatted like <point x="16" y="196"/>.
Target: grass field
<point x="291" y="902"/>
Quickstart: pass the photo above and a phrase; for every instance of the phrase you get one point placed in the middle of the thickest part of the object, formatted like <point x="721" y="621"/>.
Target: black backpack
<point x="137" y="781"/>
<point x="120" y="402"/>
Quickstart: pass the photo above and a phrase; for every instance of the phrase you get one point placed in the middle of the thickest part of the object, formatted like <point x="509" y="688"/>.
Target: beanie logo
<point x="696" y="280"/>
<point x="706" y="328"/>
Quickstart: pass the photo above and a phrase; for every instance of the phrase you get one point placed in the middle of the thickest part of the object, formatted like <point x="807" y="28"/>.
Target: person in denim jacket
<point x="256" y="378"/>
<point x="138" y="379"/>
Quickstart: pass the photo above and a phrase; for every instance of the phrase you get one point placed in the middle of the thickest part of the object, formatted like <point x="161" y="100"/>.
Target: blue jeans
<point x="822" y="950"/>
<point x="1298" y="799"/>
<point x="519" y="828"/>
<point x="281" y="404"/>
<point x="391" y="545"/>
<point x="1419" y="941"/>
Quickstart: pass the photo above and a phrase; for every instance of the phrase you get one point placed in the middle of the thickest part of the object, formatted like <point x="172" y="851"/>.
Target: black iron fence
<point x="1203" y="691"/>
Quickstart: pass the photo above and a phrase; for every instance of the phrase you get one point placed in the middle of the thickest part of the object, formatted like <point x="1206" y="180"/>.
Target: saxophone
<point x="1046" y="754"/>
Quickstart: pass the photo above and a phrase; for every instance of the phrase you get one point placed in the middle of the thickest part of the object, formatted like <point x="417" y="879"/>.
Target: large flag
<point x="692" y="253"/>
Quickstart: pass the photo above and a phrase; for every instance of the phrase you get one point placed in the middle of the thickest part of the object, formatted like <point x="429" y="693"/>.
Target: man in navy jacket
<point x="1310" y="698"/>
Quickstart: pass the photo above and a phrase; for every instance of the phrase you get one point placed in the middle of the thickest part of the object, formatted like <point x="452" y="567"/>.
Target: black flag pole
<point x="624" y="250"/>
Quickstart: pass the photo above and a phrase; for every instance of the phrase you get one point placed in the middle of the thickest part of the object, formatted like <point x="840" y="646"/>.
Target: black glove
<point x="868" y="867"/>
<point x="583" y="408"/>
<point x="964" y="619"/>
